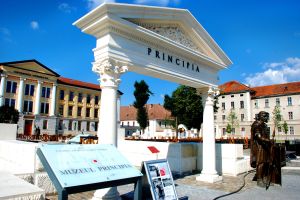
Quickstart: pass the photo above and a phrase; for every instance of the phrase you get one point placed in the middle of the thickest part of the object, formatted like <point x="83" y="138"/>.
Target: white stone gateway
<point x="165" y="43"/>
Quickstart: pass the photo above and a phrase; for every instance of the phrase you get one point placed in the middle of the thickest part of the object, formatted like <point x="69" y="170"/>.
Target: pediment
<point x="33" y="66"/>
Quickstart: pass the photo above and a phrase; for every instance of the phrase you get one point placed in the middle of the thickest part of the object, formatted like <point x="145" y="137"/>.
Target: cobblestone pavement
<point x="195" y="190"/>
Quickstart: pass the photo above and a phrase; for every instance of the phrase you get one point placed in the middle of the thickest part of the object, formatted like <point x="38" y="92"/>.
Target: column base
<point x="210" y="178"/>
<point x="107" y="194"/>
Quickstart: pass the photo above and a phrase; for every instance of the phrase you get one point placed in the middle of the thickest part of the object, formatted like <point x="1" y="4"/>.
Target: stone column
<point x="2" y="89"/>
<point x="37" y="105"/>
<point x="21" y="95"/>
<point x="53" y="100"/>
<point x="208" y="173"/>
<point x="110" y="73"/>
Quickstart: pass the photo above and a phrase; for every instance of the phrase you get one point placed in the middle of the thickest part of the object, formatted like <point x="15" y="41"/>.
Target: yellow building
<point x="55" y="104"/>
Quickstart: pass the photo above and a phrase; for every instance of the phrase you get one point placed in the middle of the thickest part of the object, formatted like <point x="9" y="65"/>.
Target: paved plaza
<point x="195" y="190"/>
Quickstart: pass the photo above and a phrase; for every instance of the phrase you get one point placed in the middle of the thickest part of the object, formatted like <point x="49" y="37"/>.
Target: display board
<point x="76" y="168"/>
<point x="160" y="179"/>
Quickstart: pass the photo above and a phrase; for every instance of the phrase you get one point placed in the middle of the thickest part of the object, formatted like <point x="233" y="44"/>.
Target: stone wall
<point x="8" y="131"/>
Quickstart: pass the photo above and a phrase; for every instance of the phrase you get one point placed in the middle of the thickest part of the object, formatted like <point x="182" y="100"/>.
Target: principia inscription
<point x="172" y="59"/>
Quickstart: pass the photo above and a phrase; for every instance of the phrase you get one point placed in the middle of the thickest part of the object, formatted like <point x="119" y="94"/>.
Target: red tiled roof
<point x="155" y="111"/>
<point x="68" y="81"/>
<point x="233" y="87"/>
<point x="278" y="89"/>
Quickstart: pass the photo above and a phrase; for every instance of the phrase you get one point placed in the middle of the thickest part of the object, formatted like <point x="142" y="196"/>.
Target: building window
<point x="127" y="123"/>
<point x="241" y="95"/>
<point x="60" y="125"/>
<point x="88" y="98"/>
<point x="290" y="101"/>
<point x="28" y="106"/>
<point x="96" y="113"/>
<point x="61" y="110"/>
<point x="79" y="125"/>
<point x="87" y="126"/>
<point x="242" y="117"/>
<point x="277" y="101"/>
<point x="256" y="116"/>
<point x="290" y="115"/>
<point x="232" y="96"/>
<point x="88" y="111"/>
<point x="223" y="106"/>
<point x="223" y="97"/>
<point x="233" y="131"/>
<point x="96" y="99"/>
<point x="291" y="130"/>
<point x="29" y="90"/>
<point x="80" y="97"/>
<point x="70" y="110"/>
<point x="256" y="104"/>
<point x="70" y="125"/>
<point x="10" y="102"/>
<point x="11" y="87"/>
<point x="242" y="104"/>
<point x="215" y="117"/>
<point x="266" y="103"/>
<point x="224" y="131"/>
<point x="71" y="96"/>
<point x="61" y="95"/>
<point x="96" y="126"/>
<point x="46" y="92"/>
<point x="223" y="117"/>
<point x="232" y="105"/>
<point x="79" y="109"/>
<point x="279" y="129"/>
<point x="44" y="108"/>
<point x="45" y="124"/>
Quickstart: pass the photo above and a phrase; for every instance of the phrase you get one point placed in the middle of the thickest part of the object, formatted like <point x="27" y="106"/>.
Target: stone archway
<point x="165" y="43"/>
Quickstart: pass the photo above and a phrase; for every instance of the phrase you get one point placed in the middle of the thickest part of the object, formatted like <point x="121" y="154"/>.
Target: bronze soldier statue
<point x="264" y="154"/>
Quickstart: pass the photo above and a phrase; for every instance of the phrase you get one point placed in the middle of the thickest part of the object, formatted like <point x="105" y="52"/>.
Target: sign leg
<point x="63" y="195"/>
<point x="138" y="189"/>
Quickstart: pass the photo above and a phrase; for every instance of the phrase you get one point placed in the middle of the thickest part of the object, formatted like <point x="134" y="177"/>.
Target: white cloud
<point x="94" y="3"/>
<point x="156" y="2"/>
<point x="66" y="8"/>
<point x="34" y="25"/>
<point x="5" y="35"/>
<point x="276" y="72"/>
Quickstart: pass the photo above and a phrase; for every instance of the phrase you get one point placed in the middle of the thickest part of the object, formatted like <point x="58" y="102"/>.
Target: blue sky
<point x="261" y="37"/>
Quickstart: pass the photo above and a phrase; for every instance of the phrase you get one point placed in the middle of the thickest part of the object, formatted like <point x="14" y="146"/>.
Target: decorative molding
<point x="172" y="32"/>
<point x="109" y="71"/>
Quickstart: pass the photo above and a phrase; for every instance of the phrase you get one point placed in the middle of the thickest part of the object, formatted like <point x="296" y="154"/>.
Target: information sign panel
<point x="76" y="165"/>
<point x="160" y="179"/>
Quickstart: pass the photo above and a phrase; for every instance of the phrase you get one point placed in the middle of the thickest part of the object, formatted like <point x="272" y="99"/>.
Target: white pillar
<point x="53" y="100"/>
<point x="37" y="106"/>
<point x="2" y="89"/>
<point x="21" y="95"/>
<point x="208" y="173"/>
<point x="109" y="73"/>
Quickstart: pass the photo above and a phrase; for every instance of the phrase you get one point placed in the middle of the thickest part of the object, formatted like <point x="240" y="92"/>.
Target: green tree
<point x="277" y="118"/>
<point x="233" y="120"/>
<point x="185" y="105"/>
<point x="285" y="127"/>
<point x="142" y="94"/>
<point x="8" y="115"/>
<point x="228" y="128"/>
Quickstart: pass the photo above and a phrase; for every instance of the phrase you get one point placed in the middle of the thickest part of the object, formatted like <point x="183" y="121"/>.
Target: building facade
<point x="160" y="123"/>
<point x="44" y="99"/>
<point x="246" y="102"/>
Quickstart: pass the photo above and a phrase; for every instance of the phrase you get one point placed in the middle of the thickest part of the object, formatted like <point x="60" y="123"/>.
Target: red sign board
<point x="153" y="149"/>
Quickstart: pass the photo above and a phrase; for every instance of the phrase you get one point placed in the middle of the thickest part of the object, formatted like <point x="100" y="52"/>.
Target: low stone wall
<point x="187" y="157"/>
<point x="8" y="131"/>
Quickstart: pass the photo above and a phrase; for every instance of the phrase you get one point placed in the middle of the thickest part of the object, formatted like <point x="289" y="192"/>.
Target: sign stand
<point x="154" y="150"/>
<point x="88" y="176"/>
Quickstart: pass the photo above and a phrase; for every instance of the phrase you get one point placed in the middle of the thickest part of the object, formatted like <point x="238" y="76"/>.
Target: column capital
<point x="40" y="81"/>
<point x="3" y="75"/>
<point x="109" y="71"/>
<point x="210" y="91"/>
<point x="22" y="78"/>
